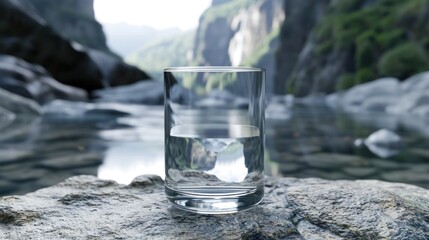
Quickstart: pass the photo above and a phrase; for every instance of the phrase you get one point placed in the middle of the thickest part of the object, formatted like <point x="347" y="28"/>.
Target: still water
<point x="122" y="141"/>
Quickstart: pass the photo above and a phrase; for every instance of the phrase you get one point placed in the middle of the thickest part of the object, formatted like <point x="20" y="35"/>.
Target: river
<point x="121" y="141"/>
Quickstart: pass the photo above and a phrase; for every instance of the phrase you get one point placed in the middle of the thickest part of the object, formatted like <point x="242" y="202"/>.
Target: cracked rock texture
<point x="85" y="207"/>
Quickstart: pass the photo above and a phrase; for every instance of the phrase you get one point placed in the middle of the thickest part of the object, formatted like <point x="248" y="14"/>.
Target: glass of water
<point x="214" y="138"/>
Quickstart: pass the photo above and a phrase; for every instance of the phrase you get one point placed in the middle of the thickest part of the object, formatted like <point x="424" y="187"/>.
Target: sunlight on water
<point x="125" y="161"/>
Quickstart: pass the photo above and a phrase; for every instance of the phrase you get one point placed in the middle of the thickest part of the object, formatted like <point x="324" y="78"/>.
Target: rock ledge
<point x="85" y="207"/>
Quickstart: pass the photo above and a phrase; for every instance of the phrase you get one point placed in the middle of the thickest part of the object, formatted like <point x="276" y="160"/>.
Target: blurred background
<point x="81" y="88"/>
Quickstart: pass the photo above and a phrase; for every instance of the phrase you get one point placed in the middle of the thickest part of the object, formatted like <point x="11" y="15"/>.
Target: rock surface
<point x="409" y="97"/>
<point x="86" y="207"/>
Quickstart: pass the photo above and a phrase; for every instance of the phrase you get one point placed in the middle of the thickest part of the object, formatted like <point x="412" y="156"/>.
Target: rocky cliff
<point x="302" y="16"/>
<point x="73" y="19"/>
<point x="28" y="36"/>
<point x="333" y="45"/>
<point x="239" y="32"/>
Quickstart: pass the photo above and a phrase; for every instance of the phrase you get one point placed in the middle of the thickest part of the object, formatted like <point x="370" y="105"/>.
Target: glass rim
<point x="213" y="69"/>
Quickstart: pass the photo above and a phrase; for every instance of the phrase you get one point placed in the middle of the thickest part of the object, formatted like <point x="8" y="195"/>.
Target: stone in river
<point x="34" y="82"/>
<point x="423" y="153"/>
<point x="409" y="176"/>
<point x="76" y="160"/>
<point x="384" y="143"/>
<point x="333" y="160"/>
<point x="386" y="164"/>
<point x="360" y="172"/>
<point x="17" y="104"/>
<point x="290" y="168"/>
<point x="5" y="187"/>
<point x="13" y="154"/>
<point x="6" y="117"/>
<point x="147" y="92"/>
<point x="24" y="174"/>
<point x="85" y="207"/>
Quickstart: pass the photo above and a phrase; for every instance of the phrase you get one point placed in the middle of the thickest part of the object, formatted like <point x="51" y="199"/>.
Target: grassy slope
<point x="172" y="50"/>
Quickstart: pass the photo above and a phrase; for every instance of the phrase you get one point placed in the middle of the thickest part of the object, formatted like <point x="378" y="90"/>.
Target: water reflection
<point x="309" y="142"/>
<point x="318" y="142"/>
<point x="124" y="161"/>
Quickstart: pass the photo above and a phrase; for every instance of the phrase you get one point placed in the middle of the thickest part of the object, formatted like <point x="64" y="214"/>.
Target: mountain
<point x="29" y="36"/>
<point x="240" y="33"/>
<point x="172" y="50"/>
<point x="330" y="45"/>
<point x="72" y="19"/>
<point x="125" y="39"/>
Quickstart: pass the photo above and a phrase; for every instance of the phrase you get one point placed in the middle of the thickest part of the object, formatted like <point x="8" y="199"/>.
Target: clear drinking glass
<point x="214" y="138"/>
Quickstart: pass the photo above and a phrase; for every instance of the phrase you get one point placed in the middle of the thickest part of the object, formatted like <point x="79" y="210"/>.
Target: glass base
<point x="215" y="199"/>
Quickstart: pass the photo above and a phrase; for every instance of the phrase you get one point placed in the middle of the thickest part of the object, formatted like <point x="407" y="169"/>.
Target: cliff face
<point x="333" y="45"/>
<point x="302" y="16"/>
<point x="239" y="32"/>
<point x="73" y="19"/>
<point x="28" y="36"/>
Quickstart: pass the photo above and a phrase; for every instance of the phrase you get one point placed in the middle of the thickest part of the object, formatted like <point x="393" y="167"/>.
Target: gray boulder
<point x="384" y="143"/>
<point x="421" y="111"/>
<point x="6" y="117"/>
<point x="407" y="102"/>
<point x="413" y="97"/>
<point x="33" y="81"/>
<point x="386" y="95"/>
<point x="17" y="104"/>
<point x="84" y="112"/>
<point x="85" y="207"/>
<point x="373" y="95"/>
<point x="417" y="82"/>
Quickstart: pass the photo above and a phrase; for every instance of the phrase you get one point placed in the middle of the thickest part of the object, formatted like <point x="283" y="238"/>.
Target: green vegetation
<point x="174" y="51"/>
<point x="346" y="81"/>
<point x="404" y="60"/>
<point x="386" y="38"/>
<point x="225" y="10"/>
